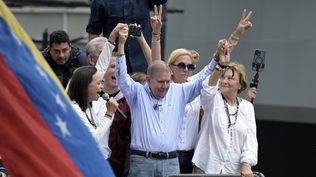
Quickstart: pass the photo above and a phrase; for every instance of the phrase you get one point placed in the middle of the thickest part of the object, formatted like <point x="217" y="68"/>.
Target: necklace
<point x="91" y="121"/>
<point x="228" y="114"/>
<point x="230" y="124"/>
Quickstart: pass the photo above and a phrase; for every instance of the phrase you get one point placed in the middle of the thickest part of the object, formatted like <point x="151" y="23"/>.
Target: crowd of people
<point x="173" y="122"/>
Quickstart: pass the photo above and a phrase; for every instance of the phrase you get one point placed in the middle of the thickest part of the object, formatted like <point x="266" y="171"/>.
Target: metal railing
<point x="255" y="173"/>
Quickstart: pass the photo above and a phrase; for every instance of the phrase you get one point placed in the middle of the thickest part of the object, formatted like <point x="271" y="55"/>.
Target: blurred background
<point x="286" y="101"/>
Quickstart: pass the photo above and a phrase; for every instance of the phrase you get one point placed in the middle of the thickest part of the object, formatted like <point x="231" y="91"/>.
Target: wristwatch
<point x="120" y="55"/>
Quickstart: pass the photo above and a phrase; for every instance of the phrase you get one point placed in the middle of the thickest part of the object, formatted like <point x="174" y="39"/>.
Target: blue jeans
<point x="149" y="167"/>
<point x="185" y="158"/>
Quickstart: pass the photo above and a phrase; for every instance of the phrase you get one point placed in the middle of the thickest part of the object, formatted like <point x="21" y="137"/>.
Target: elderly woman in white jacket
<point x="227" y="143"/>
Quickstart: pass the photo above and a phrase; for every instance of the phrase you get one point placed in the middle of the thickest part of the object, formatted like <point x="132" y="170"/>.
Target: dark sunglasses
<point x="182" y="66"/>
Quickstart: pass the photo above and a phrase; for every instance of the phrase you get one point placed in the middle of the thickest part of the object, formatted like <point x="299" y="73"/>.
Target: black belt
<point x="156" y="155"/>
<point x="185" y="152"/>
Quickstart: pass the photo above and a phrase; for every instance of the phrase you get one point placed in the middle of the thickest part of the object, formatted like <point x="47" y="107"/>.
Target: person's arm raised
<point x="156" y="25"/>
<point x="242" y="27"/>
<point x="115" y="32"/>
<point x="123" y="34"/>
<point x="153" y="53"/>
<point x="104" y="58"/>
<point x="145" y="47"/>
<point x="223" y="50"/>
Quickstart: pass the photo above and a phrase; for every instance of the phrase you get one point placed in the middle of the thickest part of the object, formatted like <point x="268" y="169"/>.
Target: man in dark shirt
<point x="105" y="14"/>
<point x="62" y="57"/>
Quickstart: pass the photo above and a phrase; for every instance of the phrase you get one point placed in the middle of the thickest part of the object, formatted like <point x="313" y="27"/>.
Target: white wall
<point x="36" y="19"/>
<point x="285" y="29"/>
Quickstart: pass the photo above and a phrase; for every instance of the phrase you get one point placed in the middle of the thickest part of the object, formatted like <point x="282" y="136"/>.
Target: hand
<point x="156" y="20"/>
<point x="244" y="24"/>
<point x="123" y="34"/>
<point x="196" y="56"/>
<point x="246" y="170"/>
<point x="251" y="94"/>
<point x="141" y="37"/>
<point x="115" y="31"/>
<point x="223" y="51"/>
<point x="111" y="106"/>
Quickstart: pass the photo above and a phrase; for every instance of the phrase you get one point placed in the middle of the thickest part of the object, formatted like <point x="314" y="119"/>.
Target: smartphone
<point x="134" y="30"/>
<point x="258" y="60"/>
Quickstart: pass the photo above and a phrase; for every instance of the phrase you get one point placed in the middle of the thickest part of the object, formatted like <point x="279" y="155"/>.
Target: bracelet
<point x="156" y="34"/>
<point x="218" y="68"/>
<point x="113" y="43"/>
<point x="108" y="115"/>
<point x="234" y="37"/>
<point x="222" y="66"/>
<point x="118" y="55"/>
<point x="155" y="39"/>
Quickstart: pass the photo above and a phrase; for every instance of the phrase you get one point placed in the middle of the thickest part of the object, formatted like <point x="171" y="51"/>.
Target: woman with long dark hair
<point x="84" y="87"/>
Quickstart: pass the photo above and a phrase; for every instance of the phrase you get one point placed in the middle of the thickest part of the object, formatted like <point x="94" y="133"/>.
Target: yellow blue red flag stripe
<point x="40" y="134"/>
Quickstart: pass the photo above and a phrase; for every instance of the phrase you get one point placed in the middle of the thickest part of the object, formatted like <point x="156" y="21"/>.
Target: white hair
<point x="91" y="48"/>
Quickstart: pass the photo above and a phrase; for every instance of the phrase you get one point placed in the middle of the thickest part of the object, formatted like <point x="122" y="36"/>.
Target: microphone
<point x="106" y="97"/>
<point x="156" y="106"/>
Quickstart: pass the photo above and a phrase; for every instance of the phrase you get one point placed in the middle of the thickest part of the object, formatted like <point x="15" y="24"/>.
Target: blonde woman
<point x="181" y="64"/>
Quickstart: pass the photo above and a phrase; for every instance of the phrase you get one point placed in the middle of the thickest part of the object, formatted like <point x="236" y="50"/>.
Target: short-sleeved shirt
<point x="105" y="14"/>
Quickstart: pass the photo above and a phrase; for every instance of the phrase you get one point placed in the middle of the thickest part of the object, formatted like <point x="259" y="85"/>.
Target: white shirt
<point x="215" y="153"/>
<point x="102" y="130"/>
<point x="99" y="107"/>
<point x="190" y="125"/>
<point x="104" y="58"/>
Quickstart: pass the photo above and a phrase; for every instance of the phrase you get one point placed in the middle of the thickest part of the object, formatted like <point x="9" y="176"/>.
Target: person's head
<point x="139" y="77"/>
<point x="233" y="80"/>
<point x="110" y="84"/>
<point x="85" y="86"/>
<point x="158" y="78"/>
<point x="94" y="49"/>
<point x="181" y="65"/>
<point x="59" y="46"/>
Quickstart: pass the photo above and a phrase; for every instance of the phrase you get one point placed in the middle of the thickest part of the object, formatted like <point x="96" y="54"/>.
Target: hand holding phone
<point x="134" y="30"/>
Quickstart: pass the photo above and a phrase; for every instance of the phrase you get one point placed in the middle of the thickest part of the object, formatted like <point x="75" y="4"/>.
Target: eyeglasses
<point x="182" y="66"/>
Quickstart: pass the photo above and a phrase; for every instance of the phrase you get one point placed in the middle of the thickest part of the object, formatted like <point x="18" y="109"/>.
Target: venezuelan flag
<point x="40" y="134"/>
